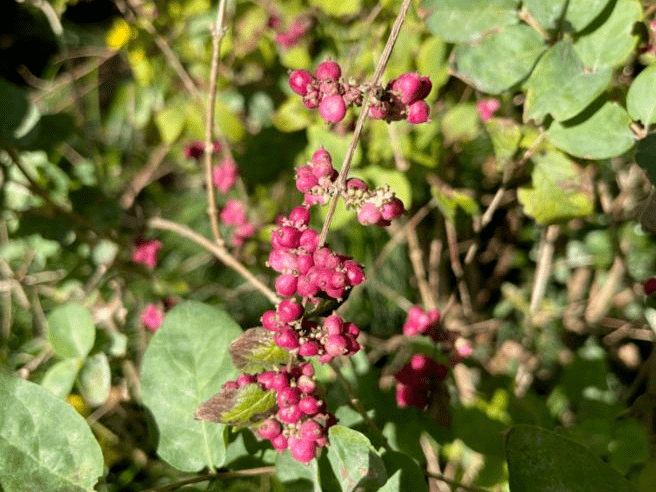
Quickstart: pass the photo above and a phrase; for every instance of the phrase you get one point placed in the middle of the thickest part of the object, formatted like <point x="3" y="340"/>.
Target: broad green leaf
<point x="354" y="460"/>
<point x="612" y="43"/>
<point x="646" y="156"/>
<point x="449" y="200"/>
<point x="187" y="362"/>
<point x="543" y="461"/>
<point x="556" y="193"/>
<point x="431" y="62"/>
<point x="18" y="116"/>
<point x="629" y="446"/>
<point x="641" y="98"/>
<point x="464" y="21"/>
<point x="403" y="472"/>
<point x="60" y="378"/>
<point x="461" y="122"/>
<point x="338" y="8"/>
<point x="45" y="445"/>
<point x="603" y="134"/>
<point x="561" y="86"/>
<point x="292" y="116"/>
<point x="71" y="332"/>
<point x="244" y="405"/>
<point x="501" y="60"/>
<point x="170" y="122"/>
<point x="647" y="479"/>
<point x="95" y="379"/>
<point x="255" y="351"/>
<point x="297" y="476"/>
<point x="579" y="14"/>
<point x="505" y="134"/>
<point x="397" y="181"/>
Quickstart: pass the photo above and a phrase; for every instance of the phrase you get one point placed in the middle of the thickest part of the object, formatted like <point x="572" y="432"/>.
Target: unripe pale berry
<point x="333" y="108"/>
<point x="328" y="70"/>
<point x="299" y="81"/>
<point x="418" y="112"/>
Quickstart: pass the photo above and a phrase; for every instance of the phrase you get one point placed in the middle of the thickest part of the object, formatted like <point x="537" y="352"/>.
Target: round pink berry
<point x="289" y="310"/>
<point x="426" y="86"/>
<point x="336" y="345"/>
<point x="300" y="216"/>
<point x="311" y="429"/>
<point x="392" y="209"/>
<point x="409" y="87"/>
<point x="290" y="415"/>
<point x="309" y="405"/>
<point x="418" y="112"/>
<point x="354" y="272"/>
<point x="286" y="338"/>
<point x="245" y="379"/>
<point x="288" y="236"/>
<point x="302" y="450"/>
<point x="369" y="214"/>
<point x="309" y="240"/>
<point x="306" y="384"/>
<point x="288" y="397"/>
<point x="320" y="157"/>
<point x="333" y="108"/>
<point x="328" y="70"/>
<point x="299" y="81"/>
<point x="286" y="285"/>
<point x="306" y="287"/>
<point x="279" y="381"/>
<point x="309" y="348"/>
<point x="333" y="325"/>
<point x="280" y="442"/>
<point x="269" y="429"/>
<point x="356" y="184"/>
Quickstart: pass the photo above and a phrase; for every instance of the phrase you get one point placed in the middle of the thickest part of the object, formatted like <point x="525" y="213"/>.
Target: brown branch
<point x="263" y="470"/>
<point x="143" y="177"/>
<point x="543" y="270"/>
<point x="456" y="266"/>
<point x="218" y="251"/>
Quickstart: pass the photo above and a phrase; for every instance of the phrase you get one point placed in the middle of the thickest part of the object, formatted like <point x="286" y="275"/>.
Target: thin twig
<point x="417" y="261"/>
<point x="217" y="36"/>
<point x="263" y="470"/>
<point x="456" y="266"/>
<point x="543" y="270"/>
<point x="143" y="177"/>
<point x="364" y="113"/>
<point x="457" y="485"/>
<point x="221" y="253"/>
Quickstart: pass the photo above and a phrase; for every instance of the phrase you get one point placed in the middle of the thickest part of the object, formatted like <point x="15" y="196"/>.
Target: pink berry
<point x="409" y="86"/>
<point x="279" y="381"/>
<point x="280" y="442"/>
<point x="245" y="379"/>
<point x="311" y="429"/>
<point x="306" y="384"/>
<point x="289" y="310"/>
<point x="302" y="450"/>
<point x="305" y="262"/>
<point x="320" y="157"/>
<point x="269" y="429"/>
<point x="333" y="108"/>
<point x="288" y="397"/>
<point x="286" y="338"/>
<point x="265" y="379"/>
<point x="287" y="236"/>
<point x="354" y="272"/>
<point x="377" y="112"/>
<point x="290" y="415"/>
<point x="392" y="209"/>
<point x="300" y="216"/>
<point x="353" y="330"/>
<point x="309" y="240"/>
<point x="356" y="184"/>
<point x="286" y="285"/>
<point x="309" y="348"/>
<point x="426" y="86"/>
<point x="306" y="287"/>
<point x="336" y="345"/>
<point x="333" y="325"/>
<point x="271" y="321"/>
<point x="369" y="214"/>
<point x="328" y="70"/>
<point x="299" y="81"/>
<point x="418" y="112"/>
<point x="305" y="180"/>
<point x="309" y="405"/>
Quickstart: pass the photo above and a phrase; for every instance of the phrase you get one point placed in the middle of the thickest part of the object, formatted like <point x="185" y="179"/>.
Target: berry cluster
<point x="300" y="421"/>
<point x="152" y="317"/>
<point x="420" y="322"/>
<point x="417" y="379"/>
<point x="225" y="175"/>
<point x="402" y="98"/>
<point x="317" y="181"/>
<point x="146" y="251"/>
<point x="234" y="214"/>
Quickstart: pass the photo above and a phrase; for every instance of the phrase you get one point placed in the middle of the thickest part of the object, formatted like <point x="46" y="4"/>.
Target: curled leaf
<point x="243" y="405"/>
<point x="255" y="351"/>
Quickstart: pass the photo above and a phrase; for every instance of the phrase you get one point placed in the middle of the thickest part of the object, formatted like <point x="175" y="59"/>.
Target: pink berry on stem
<point x="280" y="442"/>
<point x="418" y="112"/>
<point x="299" y="81"/>
<point x="289" y="310"/>
<point x="328" y="70"/>
<point x="286" y="338"/>
<point x="369" y="214"/>
<point x="286" y="284"/>
<point x="333" y="108"/>
<point x="302" y="450"/>
<point x="309" y="405"/>
<point x="409" y="86"/>
<point x="269" y="429"/>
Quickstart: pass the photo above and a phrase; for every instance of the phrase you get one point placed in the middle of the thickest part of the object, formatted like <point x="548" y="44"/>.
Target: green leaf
<point x="557" y="192"/>
<point x="292" y="116"/>
<point x="297" y="476"/>
<point x="18" y="116"/>
<point x="244" y="405"/>
<point x="431" y="62"/>
<point x="354" y="460"/>
<point x="460" y="123"/>
<point x="641" y="98"/>
<point x="598" y="133"/>
<point x="646" y="156"/>
<point x="613" y="42"/>
<point x="579" y="14"/>
<point x="338" y="8"/>
<point x="170" y="122"/>
<point x="320" y="135"/>
<point x="186" y="362"/>
<point x="71" y="332"/>
<point x="464" y="21"/>
<point x="228" y="121"/>
<point x="404" y="473"/>
<point x="255" y="351"/>
<point x="505" y="134"/>
<point x="95" y="379"/>
<point x="630" y="445"/>
<point x="543" y="461"/>
<point x="60" y="378"/>
<point x="44" y="443"/>
<point x="501" y="60"/>
<point x="560" y="86"/>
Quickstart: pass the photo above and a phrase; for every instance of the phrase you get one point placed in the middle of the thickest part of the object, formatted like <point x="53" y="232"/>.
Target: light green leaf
<point x="460" y="122"/>
<point x="243" y="405"/>
<point x="45" y="445"/>
<point x="255" y="351"/>
<point x="230" y="124"/>
<point x="186" y="362"/>
<point x="338" y="8"/>
<point x="292" y="116"/>
<point x="448" y="201"/>
<point x="431" y="62"/>
<point x="60" y="378"/>
<point x="556" y="193"/>
<point x="560" y="86"/>
<point x="71" y="332"/>
<point x="170" y="122"/>
<point x="501" y="60"/>
<point x="641" y="98"/>
<point x="603" y="134"/>
<point x="543" y="461"/>
<point x="579" y="14"/>
<point x="95" y="379"/>
<point x="505" y="134"/>
<point x="464" y="21"/>
<point x="612" y="43"/>
<point x="354" y="460"/>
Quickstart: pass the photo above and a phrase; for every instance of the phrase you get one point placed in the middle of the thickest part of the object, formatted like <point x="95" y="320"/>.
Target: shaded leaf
<point x="641" y="98"/>
<point x="543" y="461"/>
<point x="404" y="473"/>
<point x="255" y="351"/>
<point x="354" y="460"/>
<point x="71" y="332"/>
<point x="501" y="60"/>
<point x="604" y="133"/>
<point x="463" y="21"/>
<point x="579" y="13"/>
<point x="292" y="116"/>
<point x="186" y="362"/>
<point x="460" y="123"/>
<point x="560" y="86"/>
<point x="557" y="191"/>
<point x="18" y="116"/>
<point x="505" y="134"/>
<point x="44" y="443"/>
<point x="241" y="406"/>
